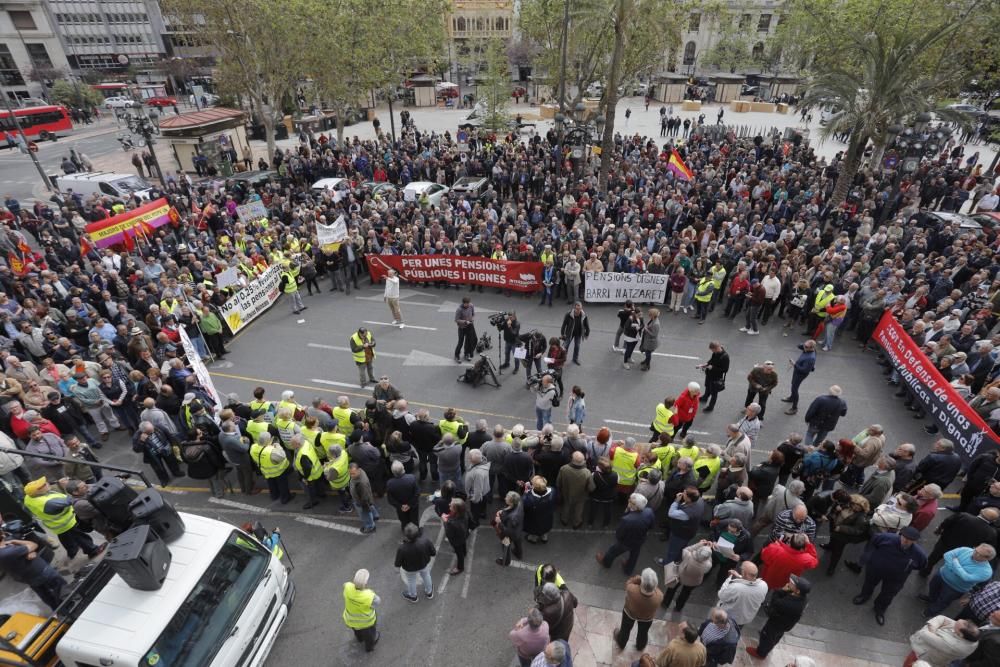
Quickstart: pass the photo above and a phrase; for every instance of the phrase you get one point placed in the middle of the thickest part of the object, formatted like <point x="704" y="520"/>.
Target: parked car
<point x="120" y="102"/>
<point x="595" y="89"/>
<point x="379" y="188"/>
<point x="161" y="101"/>
<point x="471" y="187"/>
<point x="970" y="109"/>
<point x="640" y="89"/>
<point x="337" y="186"/>
<point x="959" y="221"/>
<point x="434" y="191"/>
<point x="990" y="222"/>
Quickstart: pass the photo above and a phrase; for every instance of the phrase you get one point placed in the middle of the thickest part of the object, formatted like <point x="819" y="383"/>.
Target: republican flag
<point x="85" y="246"/>
<point x="677" y="166"/>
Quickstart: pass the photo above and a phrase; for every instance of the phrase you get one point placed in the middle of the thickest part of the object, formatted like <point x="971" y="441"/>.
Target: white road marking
<point x="447" y="575"/>
<point x="335" y="384"/>
<point x="675" y="356"/>
<point x="408" y="326"/>
<point x="241" y="506"/>
<point x="414" y="358"/>
<point x="623" y="423"/>
<point x="521" y="565"/>
<point x="328" y="524"/>
<point x="468" y="563"/>
<point x="405" y="303"/>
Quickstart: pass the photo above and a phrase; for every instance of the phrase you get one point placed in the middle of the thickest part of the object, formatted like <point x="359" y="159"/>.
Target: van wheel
<point x="45" y="135"/>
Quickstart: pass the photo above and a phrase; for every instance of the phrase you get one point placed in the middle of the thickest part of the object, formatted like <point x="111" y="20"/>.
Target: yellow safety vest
<point x="326" y="439"/>
<point x="358" y="610"/>
<point x="343" y="417"/>
<point x="452" y="427"/>
<point x="665" y="455"/>
<point x="312" y="437"/>
<point x="713" y="464"/>
<point x="291" y="285"/>
<point x="624" y="465"/>
<point x="339" y="465"/>
<point x="262" y="455"/>
<point x="559" y="581"/>
<point x="359" y="357"/>
<point x="292" y="406"/>
<point x="286" y="429"/>
<point x="823" y="300"/>
<point x="547" y="257"/>
<point x="57" y="523"/>
<point x="308" y="451"/>
<point x="706" y="287"/>
<point x="690" y="452"/>
<point x="169" y="305"/>
<point x="661" y="423"/>
<point x="718" y="275"/>
<point x="255" y="428"/>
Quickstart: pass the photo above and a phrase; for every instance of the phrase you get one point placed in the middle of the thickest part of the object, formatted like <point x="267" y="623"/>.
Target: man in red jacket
<point x="792" y="554"/>
<point x="685" y="409"/>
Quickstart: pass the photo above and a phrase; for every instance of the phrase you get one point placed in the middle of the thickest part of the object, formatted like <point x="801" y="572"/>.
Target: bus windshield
<point x="206" y="618"/>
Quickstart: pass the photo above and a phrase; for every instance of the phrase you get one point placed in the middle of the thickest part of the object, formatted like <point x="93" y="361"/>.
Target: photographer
<point x="555" y="359"/>
<point x="510" y="328"/>
<point x="545" y="398"/>
<point x="535" y="347"/>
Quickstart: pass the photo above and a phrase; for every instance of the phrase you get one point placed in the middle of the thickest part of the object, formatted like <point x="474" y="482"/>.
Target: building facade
<point x="109" y="35"/>
<point x="752" y="20"/>
<point x="470" y="26"/>
<point x="31" y="54"/>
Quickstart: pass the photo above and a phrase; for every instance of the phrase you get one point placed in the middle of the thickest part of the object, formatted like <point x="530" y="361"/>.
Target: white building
<point x="109" y="35"/>
<point x="753" y="19"/>
<point x="29" y="49"/>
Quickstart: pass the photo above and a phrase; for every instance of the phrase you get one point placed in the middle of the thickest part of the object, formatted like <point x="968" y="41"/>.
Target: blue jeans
<point x="675" y="545"/>
<point x="368" y="516"/>
<point x="410" y="581"/>
<point x="941" y="595"/>
<point x="542" y="417"/>
<point x="815" y="436"/>
<point x="199" y="345"/>
<point x="455" y="476"/>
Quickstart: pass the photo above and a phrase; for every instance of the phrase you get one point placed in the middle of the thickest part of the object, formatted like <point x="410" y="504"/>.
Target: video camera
<point x="499" y="320"/>
<point x="535" y="381"/>
<point x="484" y="343"/>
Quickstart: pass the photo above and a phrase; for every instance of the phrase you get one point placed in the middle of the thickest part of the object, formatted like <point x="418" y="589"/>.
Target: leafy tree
<point x="496" y="86"/>
<point x="74" y="94"/>
<point x="261" y="48"/>
<point x="884" y="84"/>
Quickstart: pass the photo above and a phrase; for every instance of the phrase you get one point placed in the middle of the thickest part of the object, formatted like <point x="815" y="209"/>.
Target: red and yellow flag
<point x="677" y="166"/>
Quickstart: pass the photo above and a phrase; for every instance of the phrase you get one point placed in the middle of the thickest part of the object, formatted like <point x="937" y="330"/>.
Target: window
<point x="10" y="75"/>
<point x="764" y="23"/>
<point x="745" y="22"/>
<point x="689" y="52"/>
<point x="460" y="24"/>
<point x="694" y="23"/>
<point x="207" y="617"/>
<point x="22" y="20"/>
<point x="758" y="50"/>
<point x="39" y="56"/>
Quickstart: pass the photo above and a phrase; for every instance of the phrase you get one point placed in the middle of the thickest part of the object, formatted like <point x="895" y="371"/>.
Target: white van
<point x="225" y="598"/>
<point x="103" y="183"/>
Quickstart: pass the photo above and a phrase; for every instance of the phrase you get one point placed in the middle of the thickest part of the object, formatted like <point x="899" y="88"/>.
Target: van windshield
<point x="206" y="618"/>
<point x="131" y="184"/>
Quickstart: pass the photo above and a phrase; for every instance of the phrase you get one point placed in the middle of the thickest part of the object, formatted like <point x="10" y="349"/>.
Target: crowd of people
<point x="91" y="341"/>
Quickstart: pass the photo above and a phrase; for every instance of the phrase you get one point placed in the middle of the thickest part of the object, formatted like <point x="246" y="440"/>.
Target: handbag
<point x="671" y="575"/>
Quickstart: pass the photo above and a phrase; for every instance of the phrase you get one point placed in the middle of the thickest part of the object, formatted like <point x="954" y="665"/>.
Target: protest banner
<point x="141" y="220"/>
<point x="334" y="233"/>
<point x="950" y="412"/>
<point x="458" y="270"/>
<point x="197" y="365"/>
<point x="605" y="287"/>
<point x="252" y="300"/>
<point x="252" y="211"/>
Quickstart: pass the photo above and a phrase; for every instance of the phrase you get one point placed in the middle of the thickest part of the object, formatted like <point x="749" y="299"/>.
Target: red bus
<point x="41" y="123"/>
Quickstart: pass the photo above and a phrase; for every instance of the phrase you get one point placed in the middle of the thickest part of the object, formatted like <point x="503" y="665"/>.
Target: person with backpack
<point x="204" y="460"/>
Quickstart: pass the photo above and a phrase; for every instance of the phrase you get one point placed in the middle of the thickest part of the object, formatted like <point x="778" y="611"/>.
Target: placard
<point x="248" y="303"/>
<point x="610" y="287"/>
<point x="459" y="270"/>
<point x="251" y="211"/>
<point x="334" y="233"/>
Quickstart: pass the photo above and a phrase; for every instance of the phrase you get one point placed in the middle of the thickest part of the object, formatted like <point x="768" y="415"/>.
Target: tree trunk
<point x="340" y="128"/>
<point x="851" y="164"/>
<point x="269" y="123"/>
<point x="611" y="94"/>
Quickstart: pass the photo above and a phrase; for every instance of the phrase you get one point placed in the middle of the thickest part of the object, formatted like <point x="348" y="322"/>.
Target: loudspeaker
<point x="149" y="508"/>
<point x="139" y="557"/>
<point x="111" y="497"/>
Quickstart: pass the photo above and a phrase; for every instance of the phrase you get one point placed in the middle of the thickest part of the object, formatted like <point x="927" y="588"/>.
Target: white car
<point x="120" y="102"/>
<point x="339" y="187"/>
<point x="434" y="191"/>
<point x="970" y="109"/>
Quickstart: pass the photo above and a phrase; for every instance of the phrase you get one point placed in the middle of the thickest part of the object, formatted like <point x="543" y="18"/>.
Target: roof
<point x="124" y="621"/>
<point x="200" y="118"/>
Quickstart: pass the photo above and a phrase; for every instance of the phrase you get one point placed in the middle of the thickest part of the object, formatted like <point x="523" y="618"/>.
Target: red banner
<point x="108" y="232"/>
<point x="954" y="418"/>
<point x="458" y="270"/>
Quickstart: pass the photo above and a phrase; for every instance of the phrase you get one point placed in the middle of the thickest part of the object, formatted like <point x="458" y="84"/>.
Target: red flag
<point x="25" y="249"/>
<point x="129" y="241"/>
<point x="85" y="246"/>
<point x="16" y="264"/>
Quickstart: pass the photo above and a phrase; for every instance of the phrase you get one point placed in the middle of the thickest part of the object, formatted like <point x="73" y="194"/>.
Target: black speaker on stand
<point x="149" y="508"/>
<point x="111" y="497"/>
<point x="140" y="558"/>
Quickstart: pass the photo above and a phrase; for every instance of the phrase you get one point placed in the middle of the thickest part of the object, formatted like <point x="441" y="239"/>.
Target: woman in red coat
<point x="685" y="409"/>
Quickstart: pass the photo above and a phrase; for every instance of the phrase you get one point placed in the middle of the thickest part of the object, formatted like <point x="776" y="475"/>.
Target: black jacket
<point x="573" y="327"/>
<point x="66" y="416"/>
<point x="825" y="411"/>
<point x="518" y="467"/>
<point x="719" y="362"/>
<point x="403" y="490"/>
<point x="456" y="529"/>
<point x="965" y="530"/>
<point x="633" y="528"/>
<point x="939" y="468"/>
<point x="785" y="610"/>
<point x="424" y="435"/>
<point x="983" y="471"/>
<point x="414" y="556"/>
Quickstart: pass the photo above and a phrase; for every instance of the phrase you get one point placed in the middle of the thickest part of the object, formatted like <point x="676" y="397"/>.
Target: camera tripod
<point x="482" y="372"/>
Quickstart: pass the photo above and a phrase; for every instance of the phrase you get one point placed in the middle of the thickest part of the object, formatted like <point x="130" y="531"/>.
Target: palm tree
<point x="886" y="83"/>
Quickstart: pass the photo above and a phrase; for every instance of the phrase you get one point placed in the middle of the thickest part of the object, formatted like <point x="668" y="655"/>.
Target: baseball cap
<point x="910" y="533"/>
<point x="801" y="583"/>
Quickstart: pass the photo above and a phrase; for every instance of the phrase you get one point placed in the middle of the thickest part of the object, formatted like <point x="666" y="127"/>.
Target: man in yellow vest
<point x="823" y="298"/>
<point x="290" y="286"/>
<point x="624" y="462"/>
<point x="688" y="449"/>
<point x="359" y="610"/>
<point x="706" y="467"/>
<point x="665" y="453"/>
<point x="337" y="474"/>
<point x="661" y="422"/>
<point x="287" y="427"/>
<point x="271" y="461"/>
<point x="54" y="509"/>
<point x="347" y="419"/>
<point x="455" y="425"/>
<point x="307" y="463"/>
<point x="363" y="351"/>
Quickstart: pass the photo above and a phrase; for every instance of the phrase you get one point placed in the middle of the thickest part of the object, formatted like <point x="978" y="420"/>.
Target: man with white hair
<point x="554" y="655"/>
<point x="642" y="601"/>
<point x="823" y="414"/>
<point x="403" y="493"/>
<point x="359" y="609"/>
<point x="477" y="485"/>
<point x="630" y="535"/>
<point x="750" y="424"/>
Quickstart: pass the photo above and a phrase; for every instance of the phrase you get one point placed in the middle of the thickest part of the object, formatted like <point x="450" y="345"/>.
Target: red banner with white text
<point x="458" y="270"/>
<point x="951" y="413"/>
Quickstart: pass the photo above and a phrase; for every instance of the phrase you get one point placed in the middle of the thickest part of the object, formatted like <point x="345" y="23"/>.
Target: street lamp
<point x="141" y="124"/>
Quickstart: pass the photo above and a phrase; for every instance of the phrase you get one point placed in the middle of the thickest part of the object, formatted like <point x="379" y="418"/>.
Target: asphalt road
<point x="476" y="610"/>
